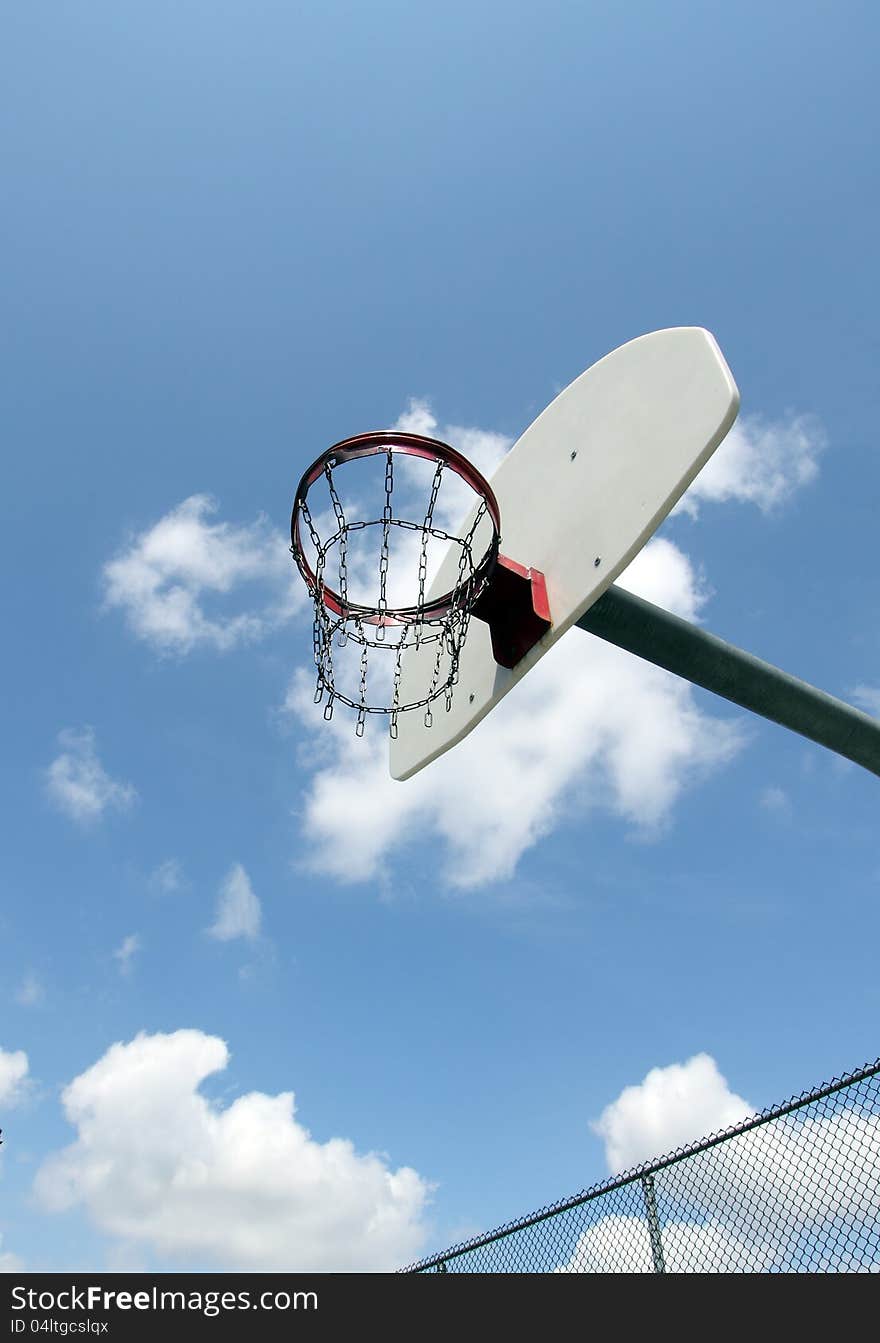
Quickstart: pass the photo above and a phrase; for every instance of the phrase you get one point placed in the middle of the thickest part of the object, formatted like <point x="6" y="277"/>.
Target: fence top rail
<point x="648" y="1168"/>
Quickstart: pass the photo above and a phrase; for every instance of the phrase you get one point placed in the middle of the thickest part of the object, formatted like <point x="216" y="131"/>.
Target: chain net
<point x="348" y="631"/>
<point x="795" y="1189"/>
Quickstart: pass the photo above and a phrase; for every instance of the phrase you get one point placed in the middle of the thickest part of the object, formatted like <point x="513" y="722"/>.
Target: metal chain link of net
<point x="368" y="626"/>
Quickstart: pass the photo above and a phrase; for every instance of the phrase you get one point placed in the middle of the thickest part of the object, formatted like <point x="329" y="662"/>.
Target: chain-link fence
<point x="795" y="1189"/>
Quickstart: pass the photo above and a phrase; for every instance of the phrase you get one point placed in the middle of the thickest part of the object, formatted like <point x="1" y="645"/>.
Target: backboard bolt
<point x="573" y="454"/>
<point x="597" y="561"/>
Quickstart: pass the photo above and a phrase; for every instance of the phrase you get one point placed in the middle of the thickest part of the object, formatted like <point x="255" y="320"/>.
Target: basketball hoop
<point x="389" y="626"/>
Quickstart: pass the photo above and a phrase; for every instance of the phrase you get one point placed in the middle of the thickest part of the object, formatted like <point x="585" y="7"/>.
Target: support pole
<point x="653" y="1223"/>
<point x="656" y="635"/>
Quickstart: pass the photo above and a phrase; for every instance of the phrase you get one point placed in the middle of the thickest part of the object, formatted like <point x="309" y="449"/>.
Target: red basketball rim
<point x="412" y="445"/>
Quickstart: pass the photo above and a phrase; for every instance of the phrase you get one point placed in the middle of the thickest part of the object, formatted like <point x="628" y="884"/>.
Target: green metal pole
<point x="674" y="644"/>
<point x="653" y="1223"/>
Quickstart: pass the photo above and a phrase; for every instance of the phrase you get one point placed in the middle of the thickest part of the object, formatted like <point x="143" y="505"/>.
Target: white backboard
<point x="580" y="493"/>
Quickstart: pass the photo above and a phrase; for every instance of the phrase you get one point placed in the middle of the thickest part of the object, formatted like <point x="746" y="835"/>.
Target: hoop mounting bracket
<point x="514" y="605"/>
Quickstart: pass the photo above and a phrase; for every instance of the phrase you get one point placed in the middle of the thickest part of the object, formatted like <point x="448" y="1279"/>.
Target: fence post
<point x="653" y="1223"/>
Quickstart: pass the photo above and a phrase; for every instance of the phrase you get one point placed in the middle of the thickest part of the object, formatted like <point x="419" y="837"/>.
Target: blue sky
<point x="234" y="234"/>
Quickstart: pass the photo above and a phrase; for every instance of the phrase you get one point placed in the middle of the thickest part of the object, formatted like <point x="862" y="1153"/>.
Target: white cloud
<point x="9" y="1263"/>
<point x="867" y="697"/>
<point x="77" y="782"/>
<point x="238" y="909"/>
<point x="166" y="575"/>
<point x="30" y="991"/>
<point x="762" y="462"/>
<point x="672" y="1107"/>
<point x="126" y="952"/>
<point x="13" y="1076"/>
<point x="589" y="727"/>
<point x="168" y="877"/>
<point x="663" y="574"/>
<point x="620" y="1244"/>
<point x="767" y="1198"/>
<point x="818" y="1166"/>
<point x="244" y="1187"/>
<point x="483" y="447"/>
<point x="776" y="800"/>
